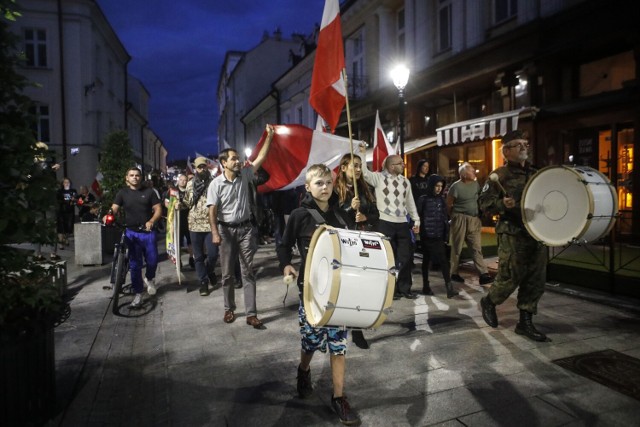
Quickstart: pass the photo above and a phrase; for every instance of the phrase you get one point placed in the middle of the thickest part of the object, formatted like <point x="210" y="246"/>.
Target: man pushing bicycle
<point x="142" y="210"/>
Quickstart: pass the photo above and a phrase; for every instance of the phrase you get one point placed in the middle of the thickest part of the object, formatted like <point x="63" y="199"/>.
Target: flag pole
<point x="346" y="97"/>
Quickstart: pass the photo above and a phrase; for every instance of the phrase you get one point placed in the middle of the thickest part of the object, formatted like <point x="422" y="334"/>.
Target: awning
<point x="419" y="144"/>
<point x="495" y="125"/>
<point x="409" y="147"/>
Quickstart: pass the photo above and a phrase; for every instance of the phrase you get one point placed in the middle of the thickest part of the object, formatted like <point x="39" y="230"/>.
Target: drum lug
<point x="387" y="311"/>
<point x="336" y="264"/>
<point x="394" y="271"/>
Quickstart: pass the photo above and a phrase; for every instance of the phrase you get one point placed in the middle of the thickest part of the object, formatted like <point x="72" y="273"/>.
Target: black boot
<point x="450" y="291"/>
<point x="525" y="327"/>
<point x="359" y="340"/>
<point x="489" y="312"/>
<point x="426" y="289"/>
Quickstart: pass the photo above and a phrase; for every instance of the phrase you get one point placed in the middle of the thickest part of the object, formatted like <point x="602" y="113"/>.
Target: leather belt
<point x="235" y="224"/>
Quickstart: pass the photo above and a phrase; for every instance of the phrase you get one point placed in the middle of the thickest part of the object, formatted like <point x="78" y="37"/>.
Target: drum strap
<point x="320" y="220"/>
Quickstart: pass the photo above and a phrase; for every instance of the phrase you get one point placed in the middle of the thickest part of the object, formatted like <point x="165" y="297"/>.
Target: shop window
<point x="625" y="169"/>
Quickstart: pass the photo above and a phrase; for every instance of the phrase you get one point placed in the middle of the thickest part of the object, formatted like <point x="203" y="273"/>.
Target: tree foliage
<point x="27" y="192"/>
<point x="116" y="157"/>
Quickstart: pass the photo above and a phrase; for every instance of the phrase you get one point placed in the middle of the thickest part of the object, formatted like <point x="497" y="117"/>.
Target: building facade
<point x="80" y="67"/>
<point x="565" y="71"/>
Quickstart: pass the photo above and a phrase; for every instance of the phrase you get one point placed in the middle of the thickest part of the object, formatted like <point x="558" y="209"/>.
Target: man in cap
<point x="195" y="200"/>
<point x="522" y="260"/>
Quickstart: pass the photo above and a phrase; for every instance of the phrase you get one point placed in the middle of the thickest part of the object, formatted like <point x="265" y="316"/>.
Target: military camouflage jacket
<point x="513" y="178"/>
<point x="198" y="214"/>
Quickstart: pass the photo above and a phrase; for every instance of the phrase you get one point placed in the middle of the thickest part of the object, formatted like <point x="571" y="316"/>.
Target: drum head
<point x="556" y="205"/>
<point x="321" y="279"/>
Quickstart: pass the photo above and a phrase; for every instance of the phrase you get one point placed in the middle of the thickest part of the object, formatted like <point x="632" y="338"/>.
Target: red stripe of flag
<point x="328" y="93"/>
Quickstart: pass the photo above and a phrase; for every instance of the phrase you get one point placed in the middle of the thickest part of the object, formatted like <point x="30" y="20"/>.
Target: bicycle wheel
<point x="119" y="274"/>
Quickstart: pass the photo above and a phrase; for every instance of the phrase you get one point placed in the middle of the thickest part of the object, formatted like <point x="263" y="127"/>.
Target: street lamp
<point x="400" y="77"/>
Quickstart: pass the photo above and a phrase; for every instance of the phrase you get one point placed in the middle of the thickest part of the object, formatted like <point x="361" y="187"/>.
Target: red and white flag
<point x="294" y="148"/>
<point x="328" y="91"/>
<point x="95" y="185"/>
<point x="381" y="146"/>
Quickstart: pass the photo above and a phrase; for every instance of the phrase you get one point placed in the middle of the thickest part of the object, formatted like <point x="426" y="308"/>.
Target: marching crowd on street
<point x="223" y="217"/>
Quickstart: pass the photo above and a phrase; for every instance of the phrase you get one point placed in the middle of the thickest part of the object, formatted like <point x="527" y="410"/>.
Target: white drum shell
<point x="357" y="289"/>
<point x="568" y="204"/>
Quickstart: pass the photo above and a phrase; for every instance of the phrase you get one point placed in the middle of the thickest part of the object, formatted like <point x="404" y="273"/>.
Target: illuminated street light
<point x="400" y="77"/>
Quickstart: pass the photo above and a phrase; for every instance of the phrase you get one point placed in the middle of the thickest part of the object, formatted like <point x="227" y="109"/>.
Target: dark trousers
<point x="205" y="264"/>
<point x="434" y="250"/>
<point x="399" y="236"/>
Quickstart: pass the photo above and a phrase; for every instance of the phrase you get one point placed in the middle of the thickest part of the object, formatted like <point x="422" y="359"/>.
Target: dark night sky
<point x="178" y="47"/>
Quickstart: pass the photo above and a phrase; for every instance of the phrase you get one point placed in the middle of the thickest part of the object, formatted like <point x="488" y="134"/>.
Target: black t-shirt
<point x="67" y="200"/>
<point x="137" y="205"/>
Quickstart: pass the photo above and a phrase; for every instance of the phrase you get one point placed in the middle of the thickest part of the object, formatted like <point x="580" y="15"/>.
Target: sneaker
<point x="347" y="415"/>
<point x="305" y="389"/>
<point x="150" y="284"/>
<point x="55" y="257"/>
<point x="137" y="301"/>
<point x="204" y="288"/>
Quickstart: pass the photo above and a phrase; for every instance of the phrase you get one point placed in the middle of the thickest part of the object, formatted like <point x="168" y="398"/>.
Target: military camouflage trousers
<point x="522" y="263"/>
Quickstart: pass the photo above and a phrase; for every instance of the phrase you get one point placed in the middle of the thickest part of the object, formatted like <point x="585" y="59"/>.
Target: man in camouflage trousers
<point x="522" y="259"/>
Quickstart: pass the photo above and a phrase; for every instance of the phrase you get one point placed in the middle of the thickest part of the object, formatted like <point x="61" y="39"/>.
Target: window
<point x="41" y="125"/>
<point x="607" y="74"/>
<point x="505" y="9"/>
<point x="357" y="84"/>
<point x="444" y="25"/>
<point x="35" y="47"/>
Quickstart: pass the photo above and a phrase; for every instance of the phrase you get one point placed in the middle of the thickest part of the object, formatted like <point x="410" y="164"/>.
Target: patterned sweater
<point x="393" y="196"/>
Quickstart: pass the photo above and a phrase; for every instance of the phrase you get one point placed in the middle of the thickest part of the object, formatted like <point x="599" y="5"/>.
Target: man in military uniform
<point x="522" y="260"/>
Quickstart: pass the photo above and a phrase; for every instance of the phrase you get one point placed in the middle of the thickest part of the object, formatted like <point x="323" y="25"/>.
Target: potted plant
<point x="29" y="303"/>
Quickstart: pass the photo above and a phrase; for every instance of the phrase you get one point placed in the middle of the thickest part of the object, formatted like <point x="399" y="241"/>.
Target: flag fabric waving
<point x="95" y="185"/>
<point x="381" y="147"/>
<point x="328" y="92"/>
<point x="293" y="149"/>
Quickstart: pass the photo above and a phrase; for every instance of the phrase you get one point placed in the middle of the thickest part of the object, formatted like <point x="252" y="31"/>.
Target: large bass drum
<point x="568" y="204"/>
<point x="349" y="278"/>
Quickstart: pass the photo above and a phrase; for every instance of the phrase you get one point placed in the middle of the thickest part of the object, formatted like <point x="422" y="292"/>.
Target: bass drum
<point x="568" y="204"/>
<point x="349" y="278"/>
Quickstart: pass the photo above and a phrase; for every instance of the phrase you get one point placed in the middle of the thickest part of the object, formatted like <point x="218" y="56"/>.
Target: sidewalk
<point x="433" y="362"/>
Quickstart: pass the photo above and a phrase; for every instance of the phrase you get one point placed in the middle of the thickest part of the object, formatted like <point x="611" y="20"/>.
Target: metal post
<point x="401" y="110"/>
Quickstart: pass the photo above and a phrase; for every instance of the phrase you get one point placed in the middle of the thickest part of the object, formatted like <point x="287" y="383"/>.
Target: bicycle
<point x="119" y="269"/>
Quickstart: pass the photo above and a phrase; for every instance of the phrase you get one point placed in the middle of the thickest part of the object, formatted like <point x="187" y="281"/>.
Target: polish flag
<point x="95" y="185"/>
<point x="328" y="91"/>
<point x="294" y="148"/>
<point x="381" y="147"/>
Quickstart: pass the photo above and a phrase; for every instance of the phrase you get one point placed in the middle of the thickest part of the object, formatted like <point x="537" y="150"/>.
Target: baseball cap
<point x="200" y="161"/>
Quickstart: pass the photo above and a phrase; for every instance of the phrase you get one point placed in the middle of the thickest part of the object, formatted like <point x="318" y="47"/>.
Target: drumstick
<point x="495" y="178"/>
<point x="288" y="279"/>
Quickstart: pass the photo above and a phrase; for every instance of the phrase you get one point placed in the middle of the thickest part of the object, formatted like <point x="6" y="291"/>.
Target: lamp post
<point x="400" y="77"/>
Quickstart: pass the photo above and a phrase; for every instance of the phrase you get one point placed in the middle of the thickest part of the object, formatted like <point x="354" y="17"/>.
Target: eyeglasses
<point x="201" y="167"/>
<point x="519" y="145"/>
